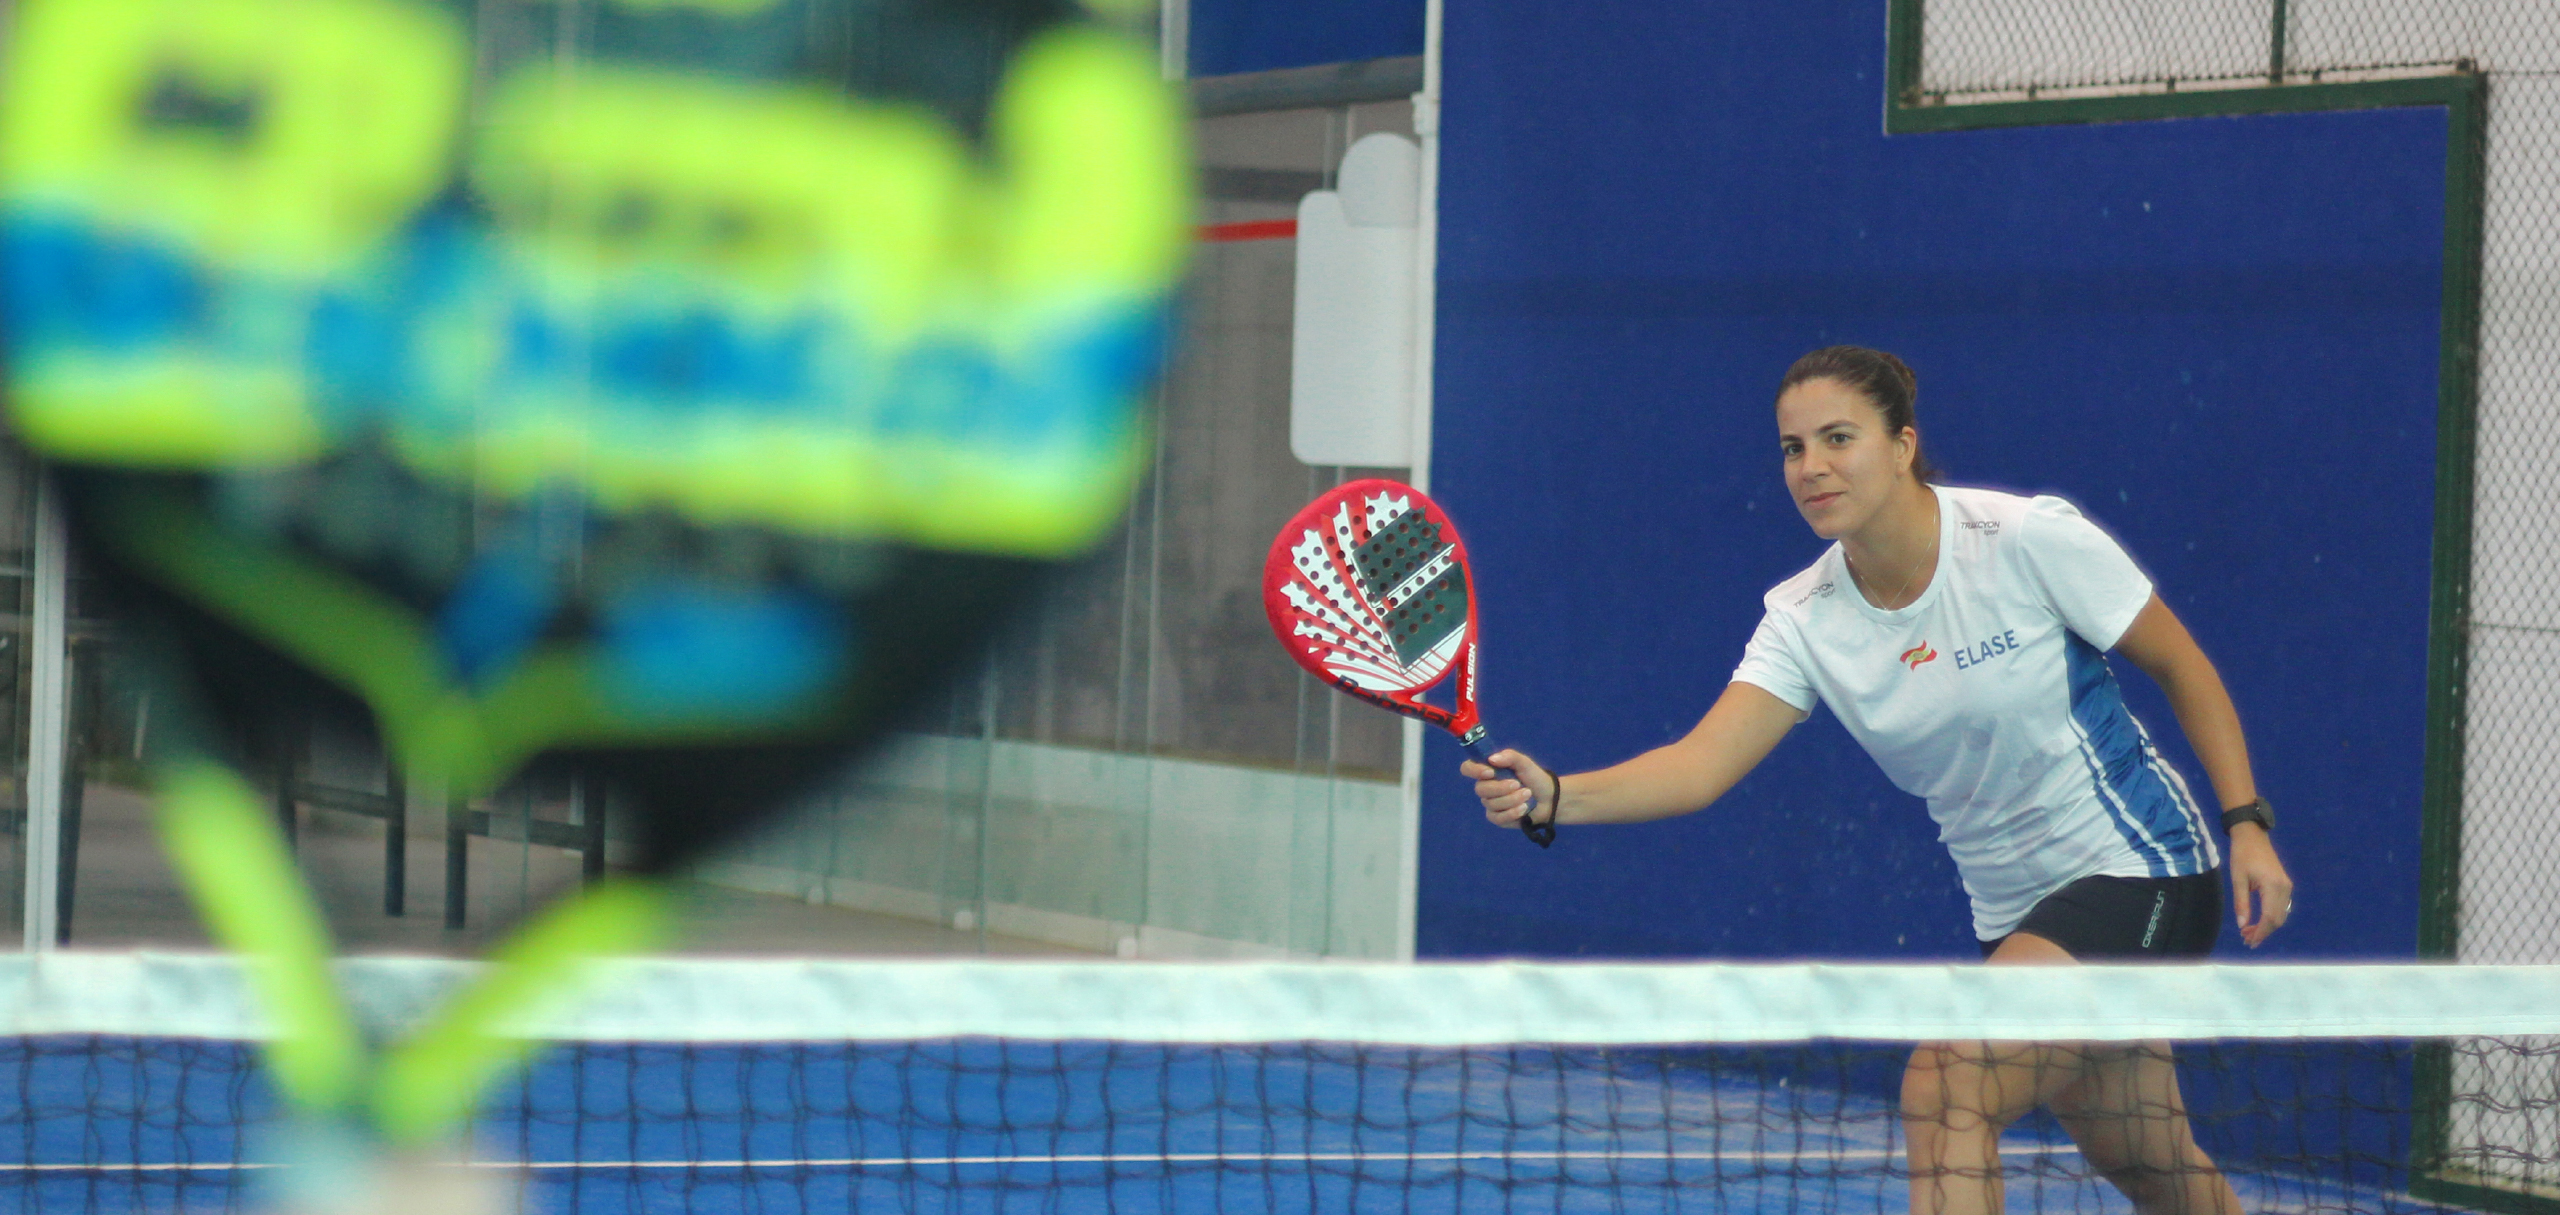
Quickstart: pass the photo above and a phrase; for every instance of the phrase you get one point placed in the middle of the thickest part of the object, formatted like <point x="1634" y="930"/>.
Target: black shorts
<point x="2118" y="919"/>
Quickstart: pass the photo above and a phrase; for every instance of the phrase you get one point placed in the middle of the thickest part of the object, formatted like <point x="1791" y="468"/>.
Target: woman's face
<point x="1841" y="465"/>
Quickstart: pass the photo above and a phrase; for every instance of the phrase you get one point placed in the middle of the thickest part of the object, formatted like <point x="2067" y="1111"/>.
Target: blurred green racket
<point x="678" y="386"/>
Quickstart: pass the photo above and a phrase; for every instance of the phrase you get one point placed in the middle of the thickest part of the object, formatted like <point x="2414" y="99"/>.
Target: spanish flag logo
<point x="1918" y="654"/>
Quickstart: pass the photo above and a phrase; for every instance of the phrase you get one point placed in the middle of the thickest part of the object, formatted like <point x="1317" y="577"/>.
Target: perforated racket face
<point x="1368" y="589"/>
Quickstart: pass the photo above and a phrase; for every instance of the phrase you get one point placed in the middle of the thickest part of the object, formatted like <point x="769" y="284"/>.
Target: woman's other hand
<point x="2255" y="871"/>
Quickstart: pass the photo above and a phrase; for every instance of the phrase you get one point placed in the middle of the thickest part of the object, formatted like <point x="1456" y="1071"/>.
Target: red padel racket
<point x="1368" y="590"/>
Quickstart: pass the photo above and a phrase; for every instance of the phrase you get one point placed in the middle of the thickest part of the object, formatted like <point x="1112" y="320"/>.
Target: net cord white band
<point x="1457" y="1004"/>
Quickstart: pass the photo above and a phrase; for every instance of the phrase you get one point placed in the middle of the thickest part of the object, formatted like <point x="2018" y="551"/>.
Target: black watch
<point x="2258" y="812"/>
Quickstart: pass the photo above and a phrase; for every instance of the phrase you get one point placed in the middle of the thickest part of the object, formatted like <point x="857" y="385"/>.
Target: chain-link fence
<point x="1982" y="50"/>
<point x="2510" y="877"/>
<point x="1977" y="48"/>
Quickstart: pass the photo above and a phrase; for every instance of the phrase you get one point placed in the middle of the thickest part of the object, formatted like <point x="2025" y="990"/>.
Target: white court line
<point x="2258" y="1180"/>
<point x="897" y="1162"/>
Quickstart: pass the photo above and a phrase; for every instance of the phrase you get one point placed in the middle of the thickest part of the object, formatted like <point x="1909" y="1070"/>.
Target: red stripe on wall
<point x="1261" y="229"/>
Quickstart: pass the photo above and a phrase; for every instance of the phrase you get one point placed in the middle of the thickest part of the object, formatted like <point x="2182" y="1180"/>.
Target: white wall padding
<point x="1986" y="45"/>
<point x="1352" y="345"/>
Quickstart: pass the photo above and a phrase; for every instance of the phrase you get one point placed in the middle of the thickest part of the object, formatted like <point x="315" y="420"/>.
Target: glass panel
<point x="17" y="519"/>
<point x="1139" y="768"/>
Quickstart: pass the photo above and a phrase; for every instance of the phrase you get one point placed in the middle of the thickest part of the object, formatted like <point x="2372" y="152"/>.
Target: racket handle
<point x="1541" y="834"/>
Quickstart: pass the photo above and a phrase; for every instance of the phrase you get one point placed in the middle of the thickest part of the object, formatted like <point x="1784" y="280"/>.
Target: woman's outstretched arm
<point x="1746" y="722"/>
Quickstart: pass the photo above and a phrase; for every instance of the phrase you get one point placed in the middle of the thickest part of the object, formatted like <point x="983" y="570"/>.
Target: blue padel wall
<point x="1258" y="35"/>
<point x="2217" y="335"/>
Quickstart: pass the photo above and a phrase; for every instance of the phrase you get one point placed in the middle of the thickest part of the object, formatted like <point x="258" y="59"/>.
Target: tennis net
<point x="789" y="1086"/>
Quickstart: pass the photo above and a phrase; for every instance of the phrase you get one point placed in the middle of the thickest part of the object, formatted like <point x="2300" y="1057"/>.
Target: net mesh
<point x="124" y="1124"/>
<point x="989" y="1087"/>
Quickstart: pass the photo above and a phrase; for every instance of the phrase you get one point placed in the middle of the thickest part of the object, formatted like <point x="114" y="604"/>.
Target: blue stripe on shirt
<point x="2148" y="812"/>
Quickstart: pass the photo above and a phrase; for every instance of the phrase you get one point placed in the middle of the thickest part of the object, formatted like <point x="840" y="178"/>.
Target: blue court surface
<point x="168" y="1126"/>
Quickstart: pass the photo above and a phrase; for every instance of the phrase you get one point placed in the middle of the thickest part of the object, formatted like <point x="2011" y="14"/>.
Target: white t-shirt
<point x="1991" y="697"/>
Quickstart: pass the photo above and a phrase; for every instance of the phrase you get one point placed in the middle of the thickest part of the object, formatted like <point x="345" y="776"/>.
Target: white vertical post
<point x="1173" y="38"/>
<point x="48" y="714"/>
<point x="1426" y="249"/>
<point x="1426" y="267"/>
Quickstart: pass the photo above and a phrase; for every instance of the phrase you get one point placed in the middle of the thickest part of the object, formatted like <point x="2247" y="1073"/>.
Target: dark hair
<point x="1885" y="381"/>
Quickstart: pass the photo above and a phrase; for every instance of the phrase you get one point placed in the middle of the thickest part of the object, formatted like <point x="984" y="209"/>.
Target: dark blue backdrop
<point x="2218" y="336"/>
<point x="1259" y="35"/>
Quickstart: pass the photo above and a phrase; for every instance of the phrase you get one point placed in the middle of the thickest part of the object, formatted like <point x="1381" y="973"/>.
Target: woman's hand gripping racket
<point x="1368" y="589"/>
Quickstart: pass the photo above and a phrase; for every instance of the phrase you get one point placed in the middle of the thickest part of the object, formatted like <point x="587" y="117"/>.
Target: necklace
<point x="1897" y="603"/>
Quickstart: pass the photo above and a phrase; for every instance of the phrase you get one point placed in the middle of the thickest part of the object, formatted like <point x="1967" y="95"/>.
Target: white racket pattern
<point x="1368" y="588"/>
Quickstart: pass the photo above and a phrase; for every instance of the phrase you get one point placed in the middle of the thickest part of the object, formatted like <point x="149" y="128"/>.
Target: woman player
<point x="1960" y="635"/>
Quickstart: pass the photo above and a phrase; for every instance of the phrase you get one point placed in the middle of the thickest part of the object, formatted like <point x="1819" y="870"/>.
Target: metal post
<point x="288" y="801"/>
<point x="2276" y="47"/>
<point x="986" y="780"/>
<point x="457" y="859"/>
<point x="80" y="702"/>
<point x="49" y="713"/>
<point x="587" y="806"/>
<point x="395" y="843"/>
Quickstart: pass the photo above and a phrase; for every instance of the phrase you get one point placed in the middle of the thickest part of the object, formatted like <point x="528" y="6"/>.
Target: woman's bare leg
<point x="1958" y="1096"/>
<point x="2120" y="1103"/>
<point x="2131" y="1123"/>
<point x="1956" y="1099"/>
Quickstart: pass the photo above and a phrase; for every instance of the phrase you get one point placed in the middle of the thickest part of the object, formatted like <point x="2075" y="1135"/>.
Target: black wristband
<point x="2257" y="811"/>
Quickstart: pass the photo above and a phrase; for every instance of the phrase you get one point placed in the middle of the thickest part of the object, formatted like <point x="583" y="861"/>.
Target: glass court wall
<point x="1140" y="770"/>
